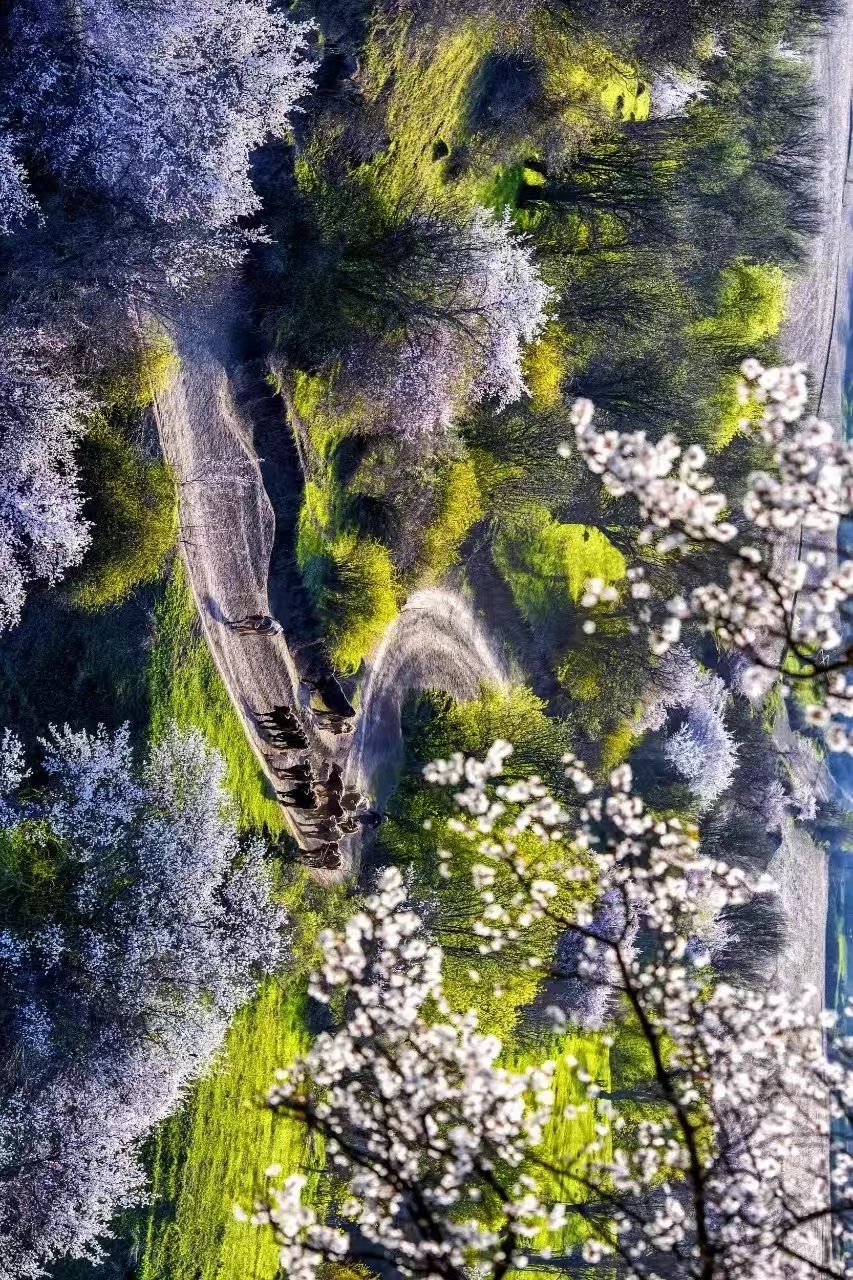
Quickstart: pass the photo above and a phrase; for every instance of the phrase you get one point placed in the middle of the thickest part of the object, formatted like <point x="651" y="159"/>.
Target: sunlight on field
<point x="214" y="1152"/>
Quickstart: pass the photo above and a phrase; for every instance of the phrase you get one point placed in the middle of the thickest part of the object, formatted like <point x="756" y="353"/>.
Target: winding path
<point x="227" y="532"/>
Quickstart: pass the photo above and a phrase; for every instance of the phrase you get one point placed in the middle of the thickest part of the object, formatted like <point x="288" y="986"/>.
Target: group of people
<point x="329" y="811"/>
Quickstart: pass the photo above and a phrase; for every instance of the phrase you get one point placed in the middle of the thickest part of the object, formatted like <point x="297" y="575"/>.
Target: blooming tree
<point x="42" y="531"/>
<point x="16" y="200"/>
<point x="118" y="983"/>
<point x="701" y="749"/>
<point x="783" y="593"/>
<point x="440" y="1151"/>
<point x="158" y="104"/>
<point x="487" y="300"/>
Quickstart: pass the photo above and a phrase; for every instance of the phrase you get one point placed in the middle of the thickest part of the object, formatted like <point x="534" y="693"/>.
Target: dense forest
<point x="420" y="369"/>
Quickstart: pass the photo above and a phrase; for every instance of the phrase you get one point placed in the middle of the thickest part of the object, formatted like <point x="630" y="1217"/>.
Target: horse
<point x="334" y="698"/>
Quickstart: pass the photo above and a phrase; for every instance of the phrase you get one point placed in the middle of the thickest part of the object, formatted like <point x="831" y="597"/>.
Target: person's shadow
<point x="215" y="612"/>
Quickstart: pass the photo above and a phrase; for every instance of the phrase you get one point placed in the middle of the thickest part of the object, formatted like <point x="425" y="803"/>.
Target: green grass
<point x="566" y="1137"/>
<point x="215" y="1151"/>
<point x="460" y="508"/>
<point x="429" y="102"/>
<point x="185" y="687"/>
<point x="545" y="563"/>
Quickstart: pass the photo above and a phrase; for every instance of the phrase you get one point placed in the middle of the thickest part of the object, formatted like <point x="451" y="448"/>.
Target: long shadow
<point x="263" y="410"/>
<point x="494" y="603"/>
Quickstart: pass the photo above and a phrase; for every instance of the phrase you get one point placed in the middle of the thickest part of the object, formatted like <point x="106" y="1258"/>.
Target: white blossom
<point x="114" y="1005"/>
<point x="42" y="530"/>
<point x="492" y="303"/>
<point x="422" y="1124"/>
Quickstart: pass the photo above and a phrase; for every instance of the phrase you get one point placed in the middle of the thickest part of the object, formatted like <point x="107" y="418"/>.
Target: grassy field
<point x="214" y="1153"/>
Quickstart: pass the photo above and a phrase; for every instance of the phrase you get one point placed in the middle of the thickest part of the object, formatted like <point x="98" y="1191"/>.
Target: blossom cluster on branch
<point x="783" y="595"/>
<point x="440" y="1153"/>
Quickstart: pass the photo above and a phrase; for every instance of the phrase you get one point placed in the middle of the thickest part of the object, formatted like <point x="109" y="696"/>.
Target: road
<point x="817" y="332"/>
<point x="227" y="534"/>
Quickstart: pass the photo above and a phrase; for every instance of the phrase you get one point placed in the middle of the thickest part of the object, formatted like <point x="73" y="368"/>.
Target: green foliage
<point x="351" y="582"/>
<point x="133" y="509"/>
<point x="617" y="746"/>
<point x="32" y="874"/>
<point x="497" y="985"/>
<point x="460" y="507"/>
<point x="185" y="687"/>
<point x="435" y="725"/>
<point x="428" y="89"/>
<point x="544" y="367"/>
<point x="138" y="377"/>
<point x="604" y="675"/>
<point x="214" y="1153"/>
<point x="131" y="499"/>
<point x="545" y="563"/>
<point x="571" y="1128"/>
<point x="728" y="413"/>
<point x="750" y="306"/>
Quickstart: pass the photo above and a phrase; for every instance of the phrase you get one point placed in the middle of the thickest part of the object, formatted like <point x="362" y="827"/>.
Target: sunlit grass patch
<point x="428" y="93"/>
<point x="545" y="563"/>
<point x="571" y="1128"/>
<point x="460" y="507"/>
<point x="215" y="1151"/>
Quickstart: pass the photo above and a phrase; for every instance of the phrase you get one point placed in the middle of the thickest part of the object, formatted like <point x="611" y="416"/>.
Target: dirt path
<point x="434" y="643"/>
<point x="817" y="328"/>
<point x="227" y="532"/>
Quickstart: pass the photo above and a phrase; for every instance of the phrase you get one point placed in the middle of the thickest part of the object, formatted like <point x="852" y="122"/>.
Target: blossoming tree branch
<point x="438" y="1158"/>
<point x="780" y="595"/>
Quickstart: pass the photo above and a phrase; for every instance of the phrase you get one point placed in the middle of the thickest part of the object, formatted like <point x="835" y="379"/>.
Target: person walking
<point x="259" y="624"/>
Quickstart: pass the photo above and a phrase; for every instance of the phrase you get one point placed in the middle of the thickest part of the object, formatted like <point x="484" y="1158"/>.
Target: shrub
<point x="131" y="500"/>
<point x="545" y="563"/>
<point x="728" y="412"/>
<point x="133" y="509"/>
<point x="459" y="509"/>
<point x="544" y="365"/>
<point x="350" y="580"/>
<point x="750" y="306"/>
<point x="139" y="376"/>
<point x="360" y="601"/>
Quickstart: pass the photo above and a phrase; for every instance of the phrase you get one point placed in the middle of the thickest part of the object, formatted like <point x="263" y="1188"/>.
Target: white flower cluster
<point x="770" y="598"/>
<point x="676" y="504"/>
<point x="416" y="1113"/>
<point x="42" y="530"/>
<point x="494" y="303"/>
<point x="167" y="103"/>
<point x="423" y="1127"/>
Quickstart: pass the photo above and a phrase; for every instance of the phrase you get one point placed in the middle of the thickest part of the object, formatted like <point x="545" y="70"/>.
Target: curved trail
<point x="434" y="643"/>
<point x="227" y="531"/>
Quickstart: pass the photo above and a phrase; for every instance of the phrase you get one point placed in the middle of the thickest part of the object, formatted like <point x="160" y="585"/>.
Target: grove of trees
<point x="125" y="140"/>
<point x="135" y="922"/>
